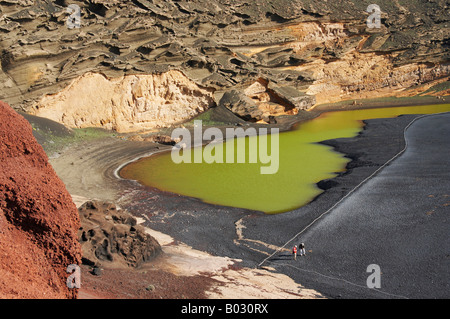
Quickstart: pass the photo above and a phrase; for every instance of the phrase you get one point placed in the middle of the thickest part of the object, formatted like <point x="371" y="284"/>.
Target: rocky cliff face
<point x="319" y="48"/>
<point x="38" y="220"/>
<point x="126" y="104"/>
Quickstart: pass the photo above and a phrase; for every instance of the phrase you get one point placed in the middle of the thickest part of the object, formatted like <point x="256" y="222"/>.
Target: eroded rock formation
<point x="111" y="237"/>
<point x="38" y="220"/>
<point x="319" y="48"/>
<point x="263" y="100"/>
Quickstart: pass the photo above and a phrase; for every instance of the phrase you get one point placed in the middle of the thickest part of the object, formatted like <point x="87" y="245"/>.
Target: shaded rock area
<point x="241" y="105"/>
<point x="321" y="49"/>
<point x="262" y="101"/>
<point x="110" y="237"/>
<point x="38" y="219"/>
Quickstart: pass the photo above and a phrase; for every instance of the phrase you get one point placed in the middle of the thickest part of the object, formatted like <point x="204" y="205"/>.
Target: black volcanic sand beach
<point x="408" y="239"/>
<point x="397" y="220"/>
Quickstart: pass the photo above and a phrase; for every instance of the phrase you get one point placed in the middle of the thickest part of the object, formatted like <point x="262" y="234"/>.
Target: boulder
<point x="111" y="237"/>
<point x="292" y="96"/>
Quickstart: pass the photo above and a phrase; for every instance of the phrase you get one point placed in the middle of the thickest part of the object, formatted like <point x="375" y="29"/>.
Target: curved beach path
<point x="399" y="220"/>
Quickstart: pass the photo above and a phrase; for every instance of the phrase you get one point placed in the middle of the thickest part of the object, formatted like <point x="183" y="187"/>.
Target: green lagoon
<point x="303" y="162"/>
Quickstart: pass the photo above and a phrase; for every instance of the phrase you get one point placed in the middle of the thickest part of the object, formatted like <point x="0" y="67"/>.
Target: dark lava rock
<point x="109" y="236"/>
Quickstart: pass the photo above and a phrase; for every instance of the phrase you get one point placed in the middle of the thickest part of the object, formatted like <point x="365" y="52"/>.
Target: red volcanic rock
<point x="38" y="219"/>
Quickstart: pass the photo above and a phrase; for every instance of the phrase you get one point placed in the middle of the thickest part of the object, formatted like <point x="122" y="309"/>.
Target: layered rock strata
<point x="324" y="49"/>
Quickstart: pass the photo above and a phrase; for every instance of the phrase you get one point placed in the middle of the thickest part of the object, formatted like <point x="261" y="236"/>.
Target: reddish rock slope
<point x="38" y="220"/>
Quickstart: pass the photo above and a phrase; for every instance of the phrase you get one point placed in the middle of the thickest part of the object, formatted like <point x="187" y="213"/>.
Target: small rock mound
<point x="111" y="237"/>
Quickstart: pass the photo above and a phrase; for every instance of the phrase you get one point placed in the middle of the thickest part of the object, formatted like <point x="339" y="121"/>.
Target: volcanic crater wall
<point x="320" y="48"/>
<point x="38" y="219"/>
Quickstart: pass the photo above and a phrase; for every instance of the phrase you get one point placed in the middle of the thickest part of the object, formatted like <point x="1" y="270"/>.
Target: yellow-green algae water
<point x="302" y="164"/>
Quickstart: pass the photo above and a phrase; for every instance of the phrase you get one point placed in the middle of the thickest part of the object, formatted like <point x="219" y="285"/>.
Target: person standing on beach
<point x="302" y="249"/>
<point x="294" y="252"/>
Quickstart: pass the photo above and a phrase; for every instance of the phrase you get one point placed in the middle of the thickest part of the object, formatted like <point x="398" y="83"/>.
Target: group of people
<point x="301" y="250"/>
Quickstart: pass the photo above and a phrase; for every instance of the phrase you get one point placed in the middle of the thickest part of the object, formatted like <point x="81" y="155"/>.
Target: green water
<point x="302" y="164"/>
